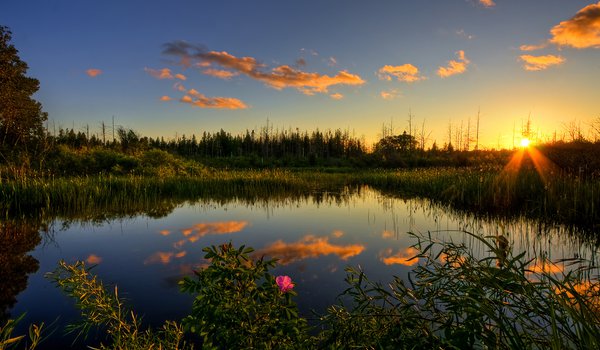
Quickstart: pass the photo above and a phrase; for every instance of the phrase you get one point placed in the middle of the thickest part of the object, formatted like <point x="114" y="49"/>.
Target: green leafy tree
<point x="21" y="117"/>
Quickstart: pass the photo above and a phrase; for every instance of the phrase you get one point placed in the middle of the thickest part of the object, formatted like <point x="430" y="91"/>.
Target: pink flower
<point x="284" y="283"/>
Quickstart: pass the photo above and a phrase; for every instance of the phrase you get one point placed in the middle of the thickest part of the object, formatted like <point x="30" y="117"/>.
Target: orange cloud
<point x="406" y="72"/>
<point x="165" y="98"/>
<point x="582" y="31"/>
<point x="402" y="257"/>
<point x="93" y="259"/>
<point x="164" y="257"/>
<point x="454" y="67"/>
<point x="164" y="73"/>
<point x="220" y="73"/>
<point x="532" y="47"/>
<point x="534" y="63"/>
<point x="487" y="3"/>
<point x="279" y="77"/>
<point x="336" y="96"/>
<point x="390" y="94"/>
<point x="179" y="87"/>
<point x="308" y="247"/>
<point x="203" y="101"/>
<point x="93" y="72"/>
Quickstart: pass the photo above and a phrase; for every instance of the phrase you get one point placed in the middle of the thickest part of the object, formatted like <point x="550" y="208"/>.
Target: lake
<point x="315" y="237"/>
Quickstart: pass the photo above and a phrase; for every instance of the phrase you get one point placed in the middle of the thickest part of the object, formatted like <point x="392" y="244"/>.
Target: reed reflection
<point x="18" y="239"/>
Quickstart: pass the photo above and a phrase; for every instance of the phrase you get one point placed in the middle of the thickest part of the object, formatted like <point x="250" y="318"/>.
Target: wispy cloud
<point x="280" y="77"/>
<point x="308" y="247"/>
<point x="164" y="73"/>
<point x="454" y="66"/>
<point x="337" y="96"/>
<point x="407" y="73"/>
<point x="582" y="31"/>
<point x="390" y="94"/>
<point x="220" y="73"/>
<point x="93" y="72"/>
<point x="487" y="3"/>
<point x="535" y="63"/>
<point x="197" y="99"/>
<point x="533" y="47"/>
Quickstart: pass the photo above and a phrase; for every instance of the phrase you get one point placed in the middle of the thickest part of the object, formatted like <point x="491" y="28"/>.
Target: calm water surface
<point x="315" y="238"/>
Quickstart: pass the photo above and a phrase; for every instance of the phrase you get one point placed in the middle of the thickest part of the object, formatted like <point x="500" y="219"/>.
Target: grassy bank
<point x="564" y="199"/>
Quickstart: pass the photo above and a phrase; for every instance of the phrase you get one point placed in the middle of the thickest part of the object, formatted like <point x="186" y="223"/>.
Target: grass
<point x="565" y="199"/>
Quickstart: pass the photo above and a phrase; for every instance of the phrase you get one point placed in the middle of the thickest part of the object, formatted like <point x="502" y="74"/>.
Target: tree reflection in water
<point x="18" y="239"/>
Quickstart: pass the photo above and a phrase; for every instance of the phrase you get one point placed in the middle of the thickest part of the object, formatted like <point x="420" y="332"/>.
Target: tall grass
<point x="565" y="199"/>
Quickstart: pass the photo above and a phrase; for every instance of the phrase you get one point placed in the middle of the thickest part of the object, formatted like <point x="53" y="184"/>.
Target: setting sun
<point x="525" y="142"/>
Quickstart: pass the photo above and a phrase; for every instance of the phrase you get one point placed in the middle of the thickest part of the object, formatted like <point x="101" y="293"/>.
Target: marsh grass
<point x="563" y="199"/>
<point x="10" y="341"/>
<point x="454" y="299"/>
<point x="102" y="308"/>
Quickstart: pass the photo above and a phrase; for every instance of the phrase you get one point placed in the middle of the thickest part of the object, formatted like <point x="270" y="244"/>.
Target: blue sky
<point x="353" y="65"/>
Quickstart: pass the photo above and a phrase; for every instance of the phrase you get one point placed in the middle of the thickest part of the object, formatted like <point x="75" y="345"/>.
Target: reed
<point x="565" y="199"/>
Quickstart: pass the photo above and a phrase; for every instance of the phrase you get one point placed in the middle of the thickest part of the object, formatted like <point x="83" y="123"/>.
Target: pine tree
<point x="21" y="117"/>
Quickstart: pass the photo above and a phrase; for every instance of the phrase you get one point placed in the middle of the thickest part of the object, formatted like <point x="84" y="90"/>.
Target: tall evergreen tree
<point x="21" y="117"/>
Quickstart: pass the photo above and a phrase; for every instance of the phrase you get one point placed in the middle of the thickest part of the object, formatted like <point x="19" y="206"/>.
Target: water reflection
<point x="18" y="239"/>
<point x="200" y="230"/>
<point x="193" y="234"/>
<point x="401" y="257"/>
<point x="164" y="257"/>
<point x="146" y="250"/>
<point x="93" y="259"/>
<point x="309" y="246"/>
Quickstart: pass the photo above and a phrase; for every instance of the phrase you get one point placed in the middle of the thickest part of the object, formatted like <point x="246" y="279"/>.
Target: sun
<point x="525" y="142"/>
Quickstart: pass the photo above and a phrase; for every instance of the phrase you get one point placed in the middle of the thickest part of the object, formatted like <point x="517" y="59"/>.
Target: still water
<point x="315" y="237"/>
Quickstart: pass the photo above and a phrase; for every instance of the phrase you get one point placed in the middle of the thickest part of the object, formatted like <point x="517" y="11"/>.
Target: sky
<point x="182" y="67"/>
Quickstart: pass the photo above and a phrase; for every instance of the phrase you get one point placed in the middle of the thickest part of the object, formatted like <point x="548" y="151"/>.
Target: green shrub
<point x="239" y="306"/>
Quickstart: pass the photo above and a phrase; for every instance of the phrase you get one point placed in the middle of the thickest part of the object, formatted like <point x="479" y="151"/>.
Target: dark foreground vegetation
<point x="452" y="300"/>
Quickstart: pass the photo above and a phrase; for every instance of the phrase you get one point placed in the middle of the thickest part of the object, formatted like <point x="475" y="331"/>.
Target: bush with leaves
<point x="239" y="305"/>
